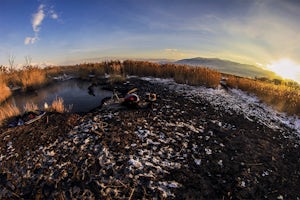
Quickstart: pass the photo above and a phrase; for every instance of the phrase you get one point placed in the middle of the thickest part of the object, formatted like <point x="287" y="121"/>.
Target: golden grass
<point x="8" y="111"/>
<point x="32" y="78"/>
<point x="29" y="106"/>
<point x="4" y="89"/>
<point x="29" y="78"/>
<point x="58" y="106"/>
<point x="282" y="97"/>
<point x="81" y="71"/>
<point x="180" y="73"/>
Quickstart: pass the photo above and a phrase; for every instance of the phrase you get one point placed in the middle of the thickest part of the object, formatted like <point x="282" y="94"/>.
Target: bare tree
<point x="28" y="60"/>
<point x="11" y="61"/>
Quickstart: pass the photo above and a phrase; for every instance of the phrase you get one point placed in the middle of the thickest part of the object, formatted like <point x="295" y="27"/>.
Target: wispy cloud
<point x="30" y="40"/>
<point x="37" y="20"/>
<point x="53" y="14"/>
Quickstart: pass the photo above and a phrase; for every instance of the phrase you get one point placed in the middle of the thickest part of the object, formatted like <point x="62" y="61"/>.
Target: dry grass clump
<point x="8" y="111"/>
<point x="180" y="73"/>
<point x="29" y="106"/>
<point x="27" y="78"/>
<point x="57" y="105"/>
<point x="84" y="70"/>
<point x="32" y="77"/>
<point x="4" y="89"/>
<point x="282" y="97"/>
<point x="114" y="78"/>
<point x="197" y="76"/>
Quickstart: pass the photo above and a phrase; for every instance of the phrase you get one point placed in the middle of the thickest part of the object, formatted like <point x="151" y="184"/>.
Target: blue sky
<point x="260" y="32"/>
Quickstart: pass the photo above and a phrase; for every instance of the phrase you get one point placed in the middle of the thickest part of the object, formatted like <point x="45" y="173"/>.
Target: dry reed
<point x="282" y="97"/>
<point x="8" y="111"/>
<point x="32" y="78"/>
<point x="116" y="79"/>
<point x="29" y="106"/>
<point x="58" y="106"/>
<point x="4" y="89"/>
<point x="180" y="73"/>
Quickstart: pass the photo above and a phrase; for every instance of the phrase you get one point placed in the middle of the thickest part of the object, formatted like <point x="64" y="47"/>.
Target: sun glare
<point x="286" y="68"/>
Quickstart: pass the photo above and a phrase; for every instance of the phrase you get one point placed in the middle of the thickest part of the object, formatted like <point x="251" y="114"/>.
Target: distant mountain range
<point x="229" y="67"/>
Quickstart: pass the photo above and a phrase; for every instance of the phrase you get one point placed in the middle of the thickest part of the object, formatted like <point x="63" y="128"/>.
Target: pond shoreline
<point x="80" y="90"/>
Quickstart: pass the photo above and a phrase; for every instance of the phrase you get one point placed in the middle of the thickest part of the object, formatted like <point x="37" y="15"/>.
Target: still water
<point x="75" y="94"/>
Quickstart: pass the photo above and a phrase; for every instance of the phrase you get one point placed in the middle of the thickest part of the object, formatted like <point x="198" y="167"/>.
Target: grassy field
<point x="281" y="96"/>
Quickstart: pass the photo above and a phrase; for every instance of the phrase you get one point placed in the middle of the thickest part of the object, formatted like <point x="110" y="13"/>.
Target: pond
<point x="75" y="93"/>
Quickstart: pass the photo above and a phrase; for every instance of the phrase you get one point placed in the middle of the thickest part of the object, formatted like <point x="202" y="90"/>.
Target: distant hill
<point x="229" y="67"/>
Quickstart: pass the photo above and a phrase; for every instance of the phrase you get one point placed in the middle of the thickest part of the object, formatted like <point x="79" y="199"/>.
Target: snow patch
<point x="236" y="101"/>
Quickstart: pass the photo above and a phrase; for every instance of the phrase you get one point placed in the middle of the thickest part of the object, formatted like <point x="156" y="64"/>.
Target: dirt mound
<point x="183" y="148"/>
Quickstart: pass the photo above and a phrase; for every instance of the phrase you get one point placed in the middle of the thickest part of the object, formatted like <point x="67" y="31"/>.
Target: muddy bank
<point x="183" y="148"/>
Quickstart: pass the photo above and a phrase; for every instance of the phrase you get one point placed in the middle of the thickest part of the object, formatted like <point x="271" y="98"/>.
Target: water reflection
<point x="82" y="95"/>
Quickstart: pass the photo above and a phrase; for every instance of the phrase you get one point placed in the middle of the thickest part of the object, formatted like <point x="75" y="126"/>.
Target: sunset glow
<point x="286" y="68"/>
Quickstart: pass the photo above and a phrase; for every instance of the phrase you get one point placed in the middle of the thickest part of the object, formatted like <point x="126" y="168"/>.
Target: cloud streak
<point x="36" y="22"/>
<point x="38" y="19"/>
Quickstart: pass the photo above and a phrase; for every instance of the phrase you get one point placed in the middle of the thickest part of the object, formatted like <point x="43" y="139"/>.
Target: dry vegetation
<point x="8" y="111"/>
<point x="58" y="106"/>
<point x="29" y="106"/>
<point x="32" y="77"/>
<point x="4" y="89"/>
<point x="28" y="78"/>
<point x="281" y="96"/>
<point x="180" y="73"/>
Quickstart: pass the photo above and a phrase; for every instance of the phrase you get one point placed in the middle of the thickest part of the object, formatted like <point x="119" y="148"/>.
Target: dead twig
<point x="103" y="125"/>
<point x="254" y="164"/>
<point x="131" y="194"/>
<point x="96" y="132"/>
<point x="6" y="132"/>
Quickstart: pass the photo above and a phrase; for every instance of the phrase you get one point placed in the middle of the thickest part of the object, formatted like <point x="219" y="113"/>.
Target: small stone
<point x="280" y="197"/>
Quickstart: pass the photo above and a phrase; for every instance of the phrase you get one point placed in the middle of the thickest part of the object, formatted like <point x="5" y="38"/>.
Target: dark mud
<point x="181" y="149"/>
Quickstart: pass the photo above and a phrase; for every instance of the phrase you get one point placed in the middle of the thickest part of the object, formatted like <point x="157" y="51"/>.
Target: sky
<point x="264" y="33"/>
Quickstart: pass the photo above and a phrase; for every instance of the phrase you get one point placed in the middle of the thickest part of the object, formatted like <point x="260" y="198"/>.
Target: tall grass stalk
<point x="32" y="78"/>
<point x="4" y="89"/>
<point x="58" y="106"/>
<point x="282" y="97"/>
<point x="29" y="106"/>
<point x="8" y="111"/>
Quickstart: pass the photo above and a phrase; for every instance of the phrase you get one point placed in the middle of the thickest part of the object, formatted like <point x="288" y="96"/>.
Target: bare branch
<point x="11" y="61"/>
<point x="28" y="60"/>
